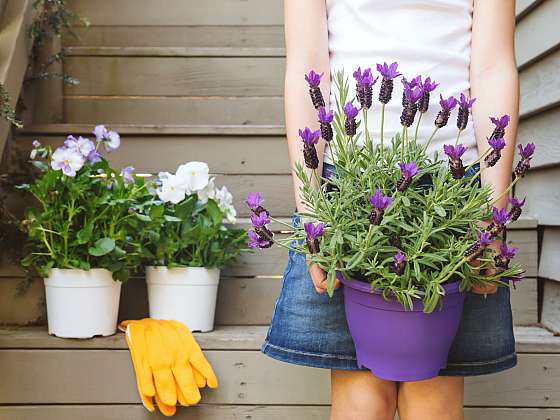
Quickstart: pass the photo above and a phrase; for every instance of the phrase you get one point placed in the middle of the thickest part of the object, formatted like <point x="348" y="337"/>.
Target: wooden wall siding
<point x="542" y="129"/>
<point x="550" y="316"/>
<point x="246" y="377"/>
<point x="179" y="12"/>
<point x="522" y="7"/>
<point x="549" y="264"/>
<point x="537" y="33"/>
<point x="542" y="189"/>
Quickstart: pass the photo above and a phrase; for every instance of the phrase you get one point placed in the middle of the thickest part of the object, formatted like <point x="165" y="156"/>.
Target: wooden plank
<point x="542" y="129"/>
<point x="524" y="302"/>
<point x="177" y="36"/>
<point x="540" y="86"/>
<point x="233" y="155"/>
<point x="179" y="12"/>
<point x="173" y="110"/>
<point x="212" y="76"/>
<point x="176" y="51"/>
<point x="236" y="412"/>
<point x="549" y="265"/>
<point x="246" y="377"/>
<point x="537" y="33"/>
<point x="543" y="195"/>
<point x="550" y="317"/>
<point x="21" y="306"/>
<point x="241" y="301"/>
<point x="226" y="337"/>
<point x="522" y="7"/>
<point x="526" y="241"/>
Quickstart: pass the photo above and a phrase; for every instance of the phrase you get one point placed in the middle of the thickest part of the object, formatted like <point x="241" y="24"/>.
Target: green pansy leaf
<point x="102" y="247"/>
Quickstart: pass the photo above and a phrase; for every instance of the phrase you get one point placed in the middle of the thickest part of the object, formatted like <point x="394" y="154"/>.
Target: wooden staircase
<point x="190" y="80"/>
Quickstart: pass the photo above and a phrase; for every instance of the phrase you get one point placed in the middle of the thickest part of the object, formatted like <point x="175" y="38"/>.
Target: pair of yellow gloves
<point x="168" y="363"/>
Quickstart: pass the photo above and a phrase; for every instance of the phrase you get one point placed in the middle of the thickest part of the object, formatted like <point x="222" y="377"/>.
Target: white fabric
<point x="426" y="37"/>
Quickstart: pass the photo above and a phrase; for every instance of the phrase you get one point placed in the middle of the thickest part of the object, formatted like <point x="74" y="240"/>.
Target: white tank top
<point x="426" y="37"/>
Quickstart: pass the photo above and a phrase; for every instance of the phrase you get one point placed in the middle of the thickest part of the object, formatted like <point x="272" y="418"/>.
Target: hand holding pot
<point x="319" y="278"/>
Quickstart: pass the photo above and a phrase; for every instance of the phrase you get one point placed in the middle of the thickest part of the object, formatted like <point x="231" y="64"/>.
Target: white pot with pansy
<point x="188" y="237"/>
<point x="81" y="232"/>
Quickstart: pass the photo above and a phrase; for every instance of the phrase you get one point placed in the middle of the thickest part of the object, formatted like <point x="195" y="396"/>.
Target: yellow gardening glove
<point x="203" y="372"/>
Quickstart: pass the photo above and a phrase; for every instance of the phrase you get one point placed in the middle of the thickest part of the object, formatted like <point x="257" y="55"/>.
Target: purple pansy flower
<point x="313" y="232"/>
<point x="111" y="139"/>
<point x="127" y="174"/>
<point x="408" y="171"/>
<point x="68" y="160"/>
<point x="388" y="71"/>
<point x="313" y="78"/>
<point x="310" y="138"/>
<point x="399" y="263"/>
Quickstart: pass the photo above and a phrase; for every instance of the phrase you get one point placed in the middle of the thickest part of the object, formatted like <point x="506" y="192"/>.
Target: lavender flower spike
<point x="399" y="263"/>
<point x="364" y="85"/>
<point x="408" y="171"/>
<point x="255" y="203"/>
<point x="325" y="120"/>
<point x="455" y="162"/>
<point x="516" y="206"/>
<point x="310" y="139"/>
<point x="314" y="81"/>
<point x="501" y="124"/>
<point x="351" y="112"/>
<point x="504" y="257"/>
<point x="427" y="87"/>
<point x="500" y="217"/>
<point x="255" y="241"/>
<point x="388" y="72"/>
<point x="412" y="95"/>
<point x="465" y="104"/>
<point x="379" y="203"/>
<point x="473" y="251"/>
<point x="447" y="106"/>
<point x="313" y="234"/>
<point x="497" y="145"/>
<point x="526" y="153"/>
<point x="259" y="222"/>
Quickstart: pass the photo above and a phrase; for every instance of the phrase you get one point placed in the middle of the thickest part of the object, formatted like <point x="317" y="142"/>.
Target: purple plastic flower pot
<point x="398" y="344"/>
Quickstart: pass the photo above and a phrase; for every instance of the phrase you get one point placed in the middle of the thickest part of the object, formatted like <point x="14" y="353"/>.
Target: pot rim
<point x="361" y="286"/>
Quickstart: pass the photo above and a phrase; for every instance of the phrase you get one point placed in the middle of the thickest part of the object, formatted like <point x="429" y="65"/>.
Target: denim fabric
<point x="310" y="329"/>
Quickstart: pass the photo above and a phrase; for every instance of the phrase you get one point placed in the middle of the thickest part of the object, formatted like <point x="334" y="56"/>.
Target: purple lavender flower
<point x="69" y="160"/>
<point x="350" y="126"/>
<point x="379" y="203"/>
<point x="455" y="162"/>
<point x="127" y="174"/>
<point x="388" y="72"/>
<point x="259" y="220"/>
<point x="465" y="104"/>
<point x="526" y="153"/>
<point x="494" y="156"/>
<point x="447" y="106"/>
<point x="399" y="263"/>
<point x="313" y="232"/>
<point x="506" y="254"/>
<point x="310" y="139"/>
<point x="501" y="124"/>
<point x="364" y="85"/>
<point x="412" y="96"/>
<point x="427" y="87"/>
<point x="408" y="171"/>
<point x="325" y="120"/>
<point x="516" y="206"/>
<point x="255" y="203"/>
<point x="314" y="81"/>
<point x="255" y="241"/>
<point x="500" y="217"/>
<point x="483" y="240"/>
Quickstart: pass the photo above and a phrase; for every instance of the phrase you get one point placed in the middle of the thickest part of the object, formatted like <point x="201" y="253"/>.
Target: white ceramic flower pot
<point x="185" y="294"/>
<point x="82" y="304"/>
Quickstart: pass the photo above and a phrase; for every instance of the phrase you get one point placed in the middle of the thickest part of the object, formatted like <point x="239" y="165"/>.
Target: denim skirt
<point x="310" y="329"/>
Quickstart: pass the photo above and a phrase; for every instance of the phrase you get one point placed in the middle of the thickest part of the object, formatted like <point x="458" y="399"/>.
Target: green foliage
<point x="435" y="225"/>
<point x="6" y="110"/>
<point x="189" y="234"/>
<point x="87" y="221"/>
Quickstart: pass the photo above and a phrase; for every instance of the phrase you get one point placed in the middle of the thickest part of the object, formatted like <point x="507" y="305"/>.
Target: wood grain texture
<point x="522" y="7"/>
<point x="236" y="412"/>
<point x="246" y="377"/>
<point x="550" y="317"/>
<point x="174" y="110"/>
<point x="549" y="264"/>
<point x="179" y="12"/>
<point x="170" y="76"/>
<point x="542" y="129"/>
<point x="537" y="33"/>
<point x="207" y="36"/>
<point x="176" y="51"/>
<point x="540" y="86"/>
<point x="542" y="189"/>
<point x="524" y="302"/>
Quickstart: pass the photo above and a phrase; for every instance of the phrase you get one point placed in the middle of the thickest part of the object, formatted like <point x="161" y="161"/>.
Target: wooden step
<point x="39" y="369"/>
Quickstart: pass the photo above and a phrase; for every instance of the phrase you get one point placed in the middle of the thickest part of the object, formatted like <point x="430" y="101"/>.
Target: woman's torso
<point x="426" y="37"/>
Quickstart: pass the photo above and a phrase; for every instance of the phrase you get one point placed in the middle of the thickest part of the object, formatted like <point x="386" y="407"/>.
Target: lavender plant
<point x="393" y="215"/>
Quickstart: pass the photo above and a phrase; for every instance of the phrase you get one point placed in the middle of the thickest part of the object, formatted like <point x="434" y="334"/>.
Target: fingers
<point x="319" y="278"/>
<point x="484" y="289"/>
<point x="165" y="409"/>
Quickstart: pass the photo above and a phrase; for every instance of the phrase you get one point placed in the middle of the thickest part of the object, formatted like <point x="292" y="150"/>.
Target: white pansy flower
<point x="172" y="189"/>
<point x="225" y="202"/>
<point x="207" y="192"/>
<point x="194" y="175"/>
